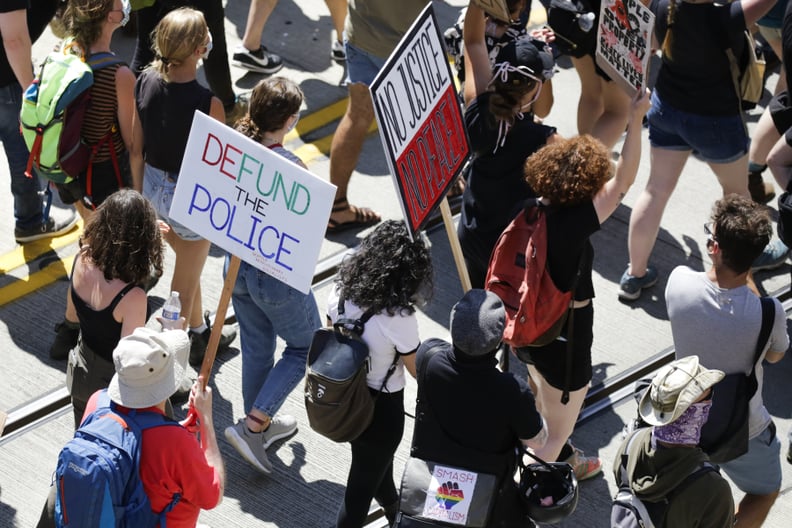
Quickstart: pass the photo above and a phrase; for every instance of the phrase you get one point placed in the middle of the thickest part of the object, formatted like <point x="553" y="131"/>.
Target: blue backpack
<point x="97" y="475"/>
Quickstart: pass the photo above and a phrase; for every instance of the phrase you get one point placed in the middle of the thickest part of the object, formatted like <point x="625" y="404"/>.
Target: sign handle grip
<point x="456" y="249"/>
<point x="219" y="320"/>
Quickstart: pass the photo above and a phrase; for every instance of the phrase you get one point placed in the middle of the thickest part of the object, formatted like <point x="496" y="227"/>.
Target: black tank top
<point x="98" y="328"/>
<point x="166" y="114"/>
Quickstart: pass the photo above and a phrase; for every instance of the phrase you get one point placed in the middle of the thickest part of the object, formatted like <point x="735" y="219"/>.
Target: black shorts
<point x="551" y="360"/>
<point x="781" y="111"/>
<point x="104" y="182"/>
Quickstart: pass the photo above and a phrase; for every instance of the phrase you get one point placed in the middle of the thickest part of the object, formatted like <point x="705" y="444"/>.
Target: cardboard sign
<point x="624" y="40"/>
<point x="420" y="120"/>
<point x="449" y="495"/>
<point x="496" y="8"/>
<point x="252" y="202"/>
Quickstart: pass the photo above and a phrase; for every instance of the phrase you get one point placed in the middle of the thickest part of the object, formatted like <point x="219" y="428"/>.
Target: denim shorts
<point x="158" y="187"/>
<point x="714" y="139"/>
<point x="758" y="471"/>
<point x="362" y="66"/>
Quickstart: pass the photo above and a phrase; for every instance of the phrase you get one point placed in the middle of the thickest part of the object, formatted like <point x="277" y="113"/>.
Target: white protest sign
<point x="420" y="120"/>
<point x="624" y="42"/>
<point x="449" y="495"/>
<point x="253" y="203"/>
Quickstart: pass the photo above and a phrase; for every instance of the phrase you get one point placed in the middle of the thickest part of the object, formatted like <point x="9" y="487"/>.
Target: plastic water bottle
<point x="171" y="312"/>
<point x="586" y="21"/>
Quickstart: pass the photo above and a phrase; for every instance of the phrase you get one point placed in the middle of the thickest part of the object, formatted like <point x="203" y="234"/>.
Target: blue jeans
<point x="158" y="187"/>
<point x="362" y="66"/>
<point x="27" y="202"/>
<point x="713" y="139"/>
<point x="267" y="308"/>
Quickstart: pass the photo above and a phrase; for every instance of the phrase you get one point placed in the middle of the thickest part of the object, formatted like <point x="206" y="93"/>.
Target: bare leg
<point x="190" y="258"/>
<point x="613" y="121"/>
<point x="338" y="11"/>
<point x="731" y="176"/>
<point x="763" y="138"/>
<point x="346" y="147"/>
<point x="591" y="104"/>
<point x="666" y="167"/>
<point x="560" y="418"/>
<point x="753" y="509"/>
<point x="258" y="14"/>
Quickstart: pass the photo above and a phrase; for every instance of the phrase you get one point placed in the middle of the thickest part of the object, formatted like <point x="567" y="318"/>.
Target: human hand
<point x="167" y="324"/>
<point x="201" y="398"/>
<point x="641" y="102"/>
<point x="544" y="33"/>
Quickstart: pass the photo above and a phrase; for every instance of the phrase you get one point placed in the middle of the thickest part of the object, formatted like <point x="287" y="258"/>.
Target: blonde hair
<point x="668" y="40"/>
<point x="84" y="20"/>
<point x="176" y="37"/>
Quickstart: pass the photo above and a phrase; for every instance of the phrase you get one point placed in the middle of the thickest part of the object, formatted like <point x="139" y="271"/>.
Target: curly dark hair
<point x="123" y="238"/>
<point x="272" y="102"/>
<point x="569" y="171"/>
<point x="387" y="271"/>
<point x="742" y="229"/>
<point x="84" y="20"/>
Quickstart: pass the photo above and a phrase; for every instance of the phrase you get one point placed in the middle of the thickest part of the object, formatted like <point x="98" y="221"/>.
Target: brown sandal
<point x="364" y="217"/>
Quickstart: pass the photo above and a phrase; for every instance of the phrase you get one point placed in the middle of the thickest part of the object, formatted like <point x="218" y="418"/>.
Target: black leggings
<point x="371" y="474"/>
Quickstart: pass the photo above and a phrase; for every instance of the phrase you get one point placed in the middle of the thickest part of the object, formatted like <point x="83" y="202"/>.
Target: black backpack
<point x="337" y="399"/>
<point x="629" y="511"/>
<point x="724" y="436"/>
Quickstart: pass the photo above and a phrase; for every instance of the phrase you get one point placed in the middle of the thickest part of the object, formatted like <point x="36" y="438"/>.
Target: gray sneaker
<point x="282" y="426"/>
<point x="250" y="445"/>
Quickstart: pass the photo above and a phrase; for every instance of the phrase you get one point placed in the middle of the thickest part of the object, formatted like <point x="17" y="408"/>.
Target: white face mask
<point x="126" y="9"/>
<point x="206" y="53"/>
<point x="294" y="124"/>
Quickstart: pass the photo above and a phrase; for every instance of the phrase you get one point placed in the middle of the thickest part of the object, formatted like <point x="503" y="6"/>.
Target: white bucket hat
<point x="149" y="367"/>
<point x="674" y="388"/>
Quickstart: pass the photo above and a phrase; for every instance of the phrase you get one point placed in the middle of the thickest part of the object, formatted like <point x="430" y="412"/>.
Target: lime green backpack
<point x="53" y="110"/>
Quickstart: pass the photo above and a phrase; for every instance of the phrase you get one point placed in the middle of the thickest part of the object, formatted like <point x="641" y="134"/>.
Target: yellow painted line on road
<point x="309" y="152"/>
<point x="17" y="289"/>
<point x="56" y="270"/>
<point x="22" y="254"/>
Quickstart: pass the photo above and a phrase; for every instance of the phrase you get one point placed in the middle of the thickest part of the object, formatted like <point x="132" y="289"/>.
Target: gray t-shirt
<point x="721" y="326"/>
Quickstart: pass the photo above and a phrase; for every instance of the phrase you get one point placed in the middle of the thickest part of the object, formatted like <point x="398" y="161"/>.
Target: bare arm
<point x="216" y="110"/>
<point x="201" y="401"/>
<point x="477" y="66"/>
<point x="16" y="41"/>
<point x="131" y="311"/>
<point x="125" y="96"/>
<point x="136" y="162"/>
<point x="610" y="196"/>
<point x="544" y="103"/>
<point x="409" y="362"/>
<point x="753" y="10"/>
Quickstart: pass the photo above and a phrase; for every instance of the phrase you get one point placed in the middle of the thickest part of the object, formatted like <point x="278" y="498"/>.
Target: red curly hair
<point x="569" y="171"/>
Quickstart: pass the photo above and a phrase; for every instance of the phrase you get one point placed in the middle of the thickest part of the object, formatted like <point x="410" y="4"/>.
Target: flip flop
<point x="364" y="217"/>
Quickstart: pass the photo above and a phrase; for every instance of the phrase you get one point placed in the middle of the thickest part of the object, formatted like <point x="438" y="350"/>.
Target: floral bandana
<point x="686" y="429"/>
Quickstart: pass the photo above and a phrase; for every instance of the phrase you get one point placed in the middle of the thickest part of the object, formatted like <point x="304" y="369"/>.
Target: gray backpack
<point x="629" y="511"/>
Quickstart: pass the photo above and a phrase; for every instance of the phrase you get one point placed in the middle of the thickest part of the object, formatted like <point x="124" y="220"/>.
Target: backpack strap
<point x="768" y="318"/>
<point x="98" y="61"/>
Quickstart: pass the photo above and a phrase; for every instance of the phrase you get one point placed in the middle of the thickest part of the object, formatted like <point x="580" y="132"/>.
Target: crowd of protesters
<point x="140" y="122"/>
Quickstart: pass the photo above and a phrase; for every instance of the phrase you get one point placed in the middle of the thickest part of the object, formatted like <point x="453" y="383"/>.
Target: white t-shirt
<point x="721" y="327"/>
<point x="385" y="336"/>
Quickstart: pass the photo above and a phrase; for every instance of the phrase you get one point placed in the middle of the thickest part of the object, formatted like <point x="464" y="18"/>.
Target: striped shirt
<point x="102" y="116"/>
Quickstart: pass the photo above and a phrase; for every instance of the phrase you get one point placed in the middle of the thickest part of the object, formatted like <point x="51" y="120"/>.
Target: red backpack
<point x="536" y="309"/>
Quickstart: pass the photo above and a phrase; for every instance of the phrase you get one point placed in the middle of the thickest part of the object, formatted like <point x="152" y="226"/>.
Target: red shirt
<point x="172" y="461"/>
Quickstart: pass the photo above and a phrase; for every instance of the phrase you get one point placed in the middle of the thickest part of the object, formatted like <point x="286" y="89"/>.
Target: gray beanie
<point x="477" y="323"/>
